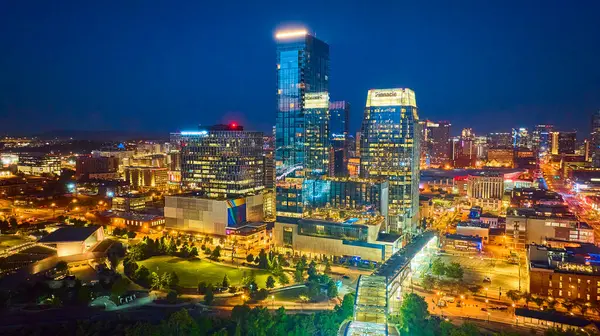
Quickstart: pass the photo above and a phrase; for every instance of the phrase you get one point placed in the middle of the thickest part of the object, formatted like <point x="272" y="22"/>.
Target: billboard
<point x="236" y="212"/>
<point x="316" y="100"/>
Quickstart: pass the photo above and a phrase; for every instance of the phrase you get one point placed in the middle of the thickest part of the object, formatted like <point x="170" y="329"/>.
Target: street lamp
<point x="272" y="301"/>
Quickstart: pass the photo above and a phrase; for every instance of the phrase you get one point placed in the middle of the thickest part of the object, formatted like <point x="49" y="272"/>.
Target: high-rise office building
<point x="542" y="138"/>
<point x="390" y="150"/>
<point x="339" y="114"/>
<point x="222" y="161"/>
<point x="521" y="138"/>
<point x="439" y="141"/>
<point x="303" y="108"/>
<point x="567" y="142"/>
<point x="500" y="140"/>
<point x="463" y="150"/>
<point x="595" y="140"/>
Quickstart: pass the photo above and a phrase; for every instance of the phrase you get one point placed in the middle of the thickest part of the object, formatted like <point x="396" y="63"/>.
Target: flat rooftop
<point x="70" y="234"/>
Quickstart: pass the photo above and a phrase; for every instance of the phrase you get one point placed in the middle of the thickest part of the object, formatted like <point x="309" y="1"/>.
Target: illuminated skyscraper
<point x="567" y="142"/>
<point x="542" y="138"/>
<point x="439" y="140"/>
<point x="222" y="161"/>
<point x="595" y="142"/>
<point x="302" y="135"/>
<point x="390" y="150"/>
<point x="339" y="112"/>
<point x="521" y="138"/>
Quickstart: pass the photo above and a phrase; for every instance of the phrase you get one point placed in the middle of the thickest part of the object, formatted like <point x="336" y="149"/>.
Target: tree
<point x="312" y="271"/>
<point x="250" y="258"/>
<point x="225" y="282"/>
<point x="202" y="287"/>
<point x="193" y="252"/>
<point x="129" y="267"/>
<point x="263" y="261"/>
<point x="142" y="276"/>
<point x="179" y="323"/>
<point x="12" y="221"/>
<point x="346" y="309"/>
<point x="62" y="266"/>
<point x="170" y="280"/>
<point x="216" y="253"/>
<point x="209" y="296"/>
<point x="115" y="254"/>
<point x="131" y="234"/>
<point x="298" y="277"/>
<point x="172" y="296"/>
<point x="283" y="279"/>
<point x="155" y="281"/>
<point x="414" y="315"/>
<point x="455" y="271"/>
<point x="248" y="279"/>
<point x="427" y="281"/>
<point x="270" y="282"/>
<point x="332" y="290"/>
<point x="514" y="295"/>
<point x="207" y="251"/>
<point x="313" y="289"/>
<point x="438" y="267"/>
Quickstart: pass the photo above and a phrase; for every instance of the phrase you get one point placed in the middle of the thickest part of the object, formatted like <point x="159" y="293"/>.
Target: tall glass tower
<point x="389" y="149"/>
<point x="301" y="132"/>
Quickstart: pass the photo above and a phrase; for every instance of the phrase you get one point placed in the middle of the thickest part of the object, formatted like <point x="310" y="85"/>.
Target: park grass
<point x="190" y="272"/>
<point x="290" y="295"/>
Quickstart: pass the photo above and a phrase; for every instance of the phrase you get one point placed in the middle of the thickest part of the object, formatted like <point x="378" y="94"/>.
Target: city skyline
<point x="95" y="78"/>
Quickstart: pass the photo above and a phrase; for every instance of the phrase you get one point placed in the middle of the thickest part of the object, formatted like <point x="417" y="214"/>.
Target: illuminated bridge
<point x="380" y="294"/>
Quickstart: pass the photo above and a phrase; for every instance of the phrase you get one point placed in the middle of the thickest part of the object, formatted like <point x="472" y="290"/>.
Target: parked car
<point x="487" y="279"/>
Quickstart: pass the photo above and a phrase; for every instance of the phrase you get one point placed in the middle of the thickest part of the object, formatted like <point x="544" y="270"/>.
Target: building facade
<point x="223" y="161"/>
<point x="194" y="213"/>
<point x="595" y="140"/>
<point x="390" y="150"/>
<point x="38" y="164"/>
<point x="302" y="72"/>
<point x="567" y="142"/>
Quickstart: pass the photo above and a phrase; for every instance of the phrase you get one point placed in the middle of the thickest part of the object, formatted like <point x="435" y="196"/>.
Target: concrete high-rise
<point x="390" y="150"/>
<point x="301" y="131"/>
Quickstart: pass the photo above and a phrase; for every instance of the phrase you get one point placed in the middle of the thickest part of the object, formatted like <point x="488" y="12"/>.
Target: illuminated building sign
<point x="291" y="34"/>
<point x="316" y="100"/>
<point x="194" y="133"/>
<point x="391" y="97"/>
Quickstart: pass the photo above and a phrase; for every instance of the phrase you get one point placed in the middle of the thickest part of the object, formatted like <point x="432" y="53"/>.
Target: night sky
<point x="165" y="66"/>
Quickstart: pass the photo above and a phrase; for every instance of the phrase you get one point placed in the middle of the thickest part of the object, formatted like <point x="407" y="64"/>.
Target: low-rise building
<point x="475" y="229"/>
<point x="73" y="240"/>
<point x="465" y="243"/>
<point x="192" y="212"/>
<point x="129" y="202"/>
<point x="38" y="164"/>
<point x="135" y="221"/>
<point x="355" y="234"/>
<point x="570" y="273"/>
<point x="538" y="224"/>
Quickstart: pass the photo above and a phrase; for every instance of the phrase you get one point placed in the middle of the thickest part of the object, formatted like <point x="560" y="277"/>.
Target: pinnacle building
<point x="390" y="150"/>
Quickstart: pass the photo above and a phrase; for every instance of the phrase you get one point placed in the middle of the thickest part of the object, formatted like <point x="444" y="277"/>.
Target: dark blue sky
<point x="160" y="66"/>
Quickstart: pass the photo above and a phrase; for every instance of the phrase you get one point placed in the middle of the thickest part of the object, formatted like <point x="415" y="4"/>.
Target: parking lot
<point x="503" y="275"/>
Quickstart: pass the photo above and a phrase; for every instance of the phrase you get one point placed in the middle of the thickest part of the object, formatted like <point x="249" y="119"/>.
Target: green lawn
<point x="291" y="295"/>
<point x="192" y="272"/>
